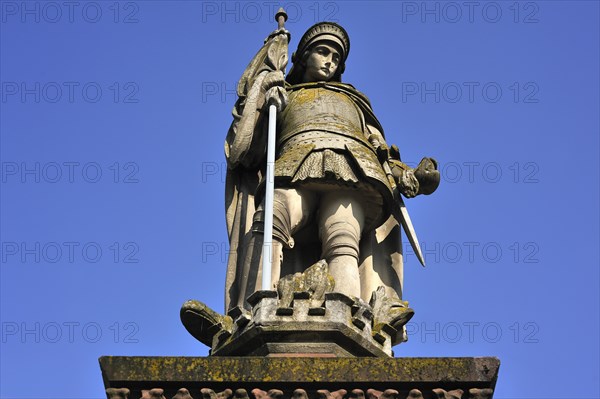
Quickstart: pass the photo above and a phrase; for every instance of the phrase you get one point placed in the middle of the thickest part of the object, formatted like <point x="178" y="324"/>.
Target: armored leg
<point x="341" y="221"/>
<point x="291" y="209"/>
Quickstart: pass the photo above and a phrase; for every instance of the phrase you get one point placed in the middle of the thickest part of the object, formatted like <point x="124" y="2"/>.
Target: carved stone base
<point x="303" y="317"/>
<point x="339" y="327"/>
<point x="298" y="378"/>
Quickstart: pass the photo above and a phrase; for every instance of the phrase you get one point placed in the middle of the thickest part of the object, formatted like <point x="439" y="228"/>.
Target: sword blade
<point x="410" y="230"/>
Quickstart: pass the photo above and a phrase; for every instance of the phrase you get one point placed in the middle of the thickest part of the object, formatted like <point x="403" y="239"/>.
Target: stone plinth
<point x="299" y="377"/>
<point x="336" y="327"/>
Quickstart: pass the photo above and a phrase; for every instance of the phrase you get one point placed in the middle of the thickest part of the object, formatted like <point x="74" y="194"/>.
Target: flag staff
<point x="267" y="260"/>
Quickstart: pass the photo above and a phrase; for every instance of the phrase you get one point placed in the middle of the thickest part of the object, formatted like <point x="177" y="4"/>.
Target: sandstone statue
<point x="336" y="178"/>
<point x="335" y="284"/>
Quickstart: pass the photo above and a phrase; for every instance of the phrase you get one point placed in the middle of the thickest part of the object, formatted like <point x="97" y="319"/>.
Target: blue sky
<point x="113" y="118"/>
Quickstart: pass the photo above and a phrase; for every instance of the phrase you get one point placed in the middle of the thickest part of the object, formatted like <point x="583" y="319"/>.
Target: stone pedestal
<point x="335" y="327"/>
<point x="300" y="323"/>
<point x="298" y="377"/>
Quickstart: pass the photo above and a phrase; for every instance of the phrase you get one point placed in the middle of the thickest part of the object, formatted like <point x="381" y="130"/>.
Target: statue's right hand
<point x="275" y="92"/>
<point x="278" y="97"/>
<point x="272" y="79"/>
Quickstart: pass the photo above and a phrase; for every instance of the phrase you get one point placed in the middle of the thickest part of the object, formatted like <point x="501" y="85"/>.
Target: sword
<point x="402" y="213"/>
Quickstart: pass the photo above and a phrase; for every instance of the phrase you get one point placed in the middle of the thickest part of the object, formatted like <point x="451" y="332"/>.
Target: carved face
<point x="321" y="63"/>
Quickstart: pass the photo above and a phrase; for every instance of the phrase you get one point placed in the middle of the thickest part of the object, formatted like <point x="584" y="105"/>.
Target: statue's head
<point x="324" y="42"/>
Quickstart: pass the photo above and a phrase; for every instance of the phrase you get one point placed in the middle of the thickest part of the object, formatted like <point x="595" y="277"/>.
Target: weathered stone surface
<point x="210" y="394"/>
<point x="443" y="394"/>
<point x="340" y="326"/>
<point x="387" y="394"/>
<point x="183" y="394"/>
<point x="117" y="393"/>
<point x="325" y="394"/>
<point x="303" y="317"/>
<point x="206" y="393"/>
<point x="476" y="393"/>
<point x="415" y="394"/>
<point x="272" y="394"/>
<point x="315" y="282"/>
<point x="154" y="393"/>
<point x="289" y="374"/>
<point x="203" y="322"/>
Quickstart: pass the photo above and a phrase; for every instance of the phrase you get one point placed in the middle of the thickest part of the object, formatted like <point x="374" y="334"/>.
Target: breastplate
<point x="320" y="110"/>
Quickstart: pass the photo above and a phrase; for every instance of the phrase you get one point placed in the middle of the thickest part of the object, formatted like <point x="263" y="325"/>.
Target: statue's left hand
<point x="405" y="178"/>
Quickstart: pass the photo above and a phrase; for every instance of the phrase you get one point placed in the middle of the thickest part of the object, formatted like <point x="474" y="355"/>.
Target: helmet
<point x="322" y="31"/>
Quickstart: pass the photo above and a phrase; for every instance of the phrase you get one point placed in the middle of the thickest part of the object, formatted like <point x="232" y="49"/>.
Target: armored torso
<point x="322" y="140"/>
<point x="320" y="109"/>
